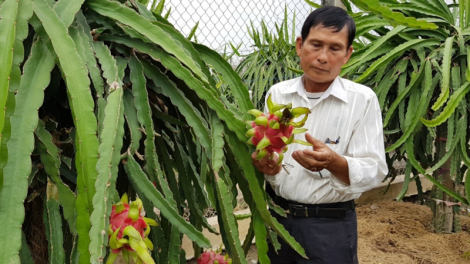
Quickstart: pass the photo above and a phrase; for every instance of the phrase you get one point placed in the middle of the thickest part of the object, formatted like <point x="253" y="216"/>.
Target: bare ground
<point x="401" y="232"/>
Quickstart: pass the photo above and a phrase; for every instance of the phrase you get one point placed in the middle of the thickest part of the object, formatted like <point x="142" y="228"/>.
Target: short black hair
<point x="330" y="17"/>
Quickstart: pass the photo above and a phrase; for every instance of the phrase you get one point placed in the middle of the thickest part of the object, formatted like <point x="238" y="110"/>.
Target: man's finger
<point x="263" y="161"/>
<point x="273" y="170"/>
<point x="274" y="158"/>
<point x="310" y="139"/>
<point x="308" y="161"/>
<point x="315" y="142"/>
<point x="302" y="160"/>
<point x="314" y="154"/>
<point x="272" y="163"/>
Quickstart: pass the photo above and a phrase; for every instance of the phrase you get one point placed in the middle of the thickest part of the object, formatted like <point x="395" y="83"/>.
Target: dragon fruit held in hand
<point x="128" y="231"/>
<point x="211" y="257"/>
<point x="274" y="131"/>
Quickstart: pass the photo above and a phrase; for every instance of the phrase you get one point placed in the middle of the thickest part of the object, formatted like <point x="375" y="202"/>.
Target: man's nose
<point x="323" y="56"/>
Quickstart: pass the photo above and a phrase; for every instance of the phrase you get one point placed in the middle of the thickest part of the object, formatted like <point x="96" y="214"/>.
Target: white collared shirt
<point x="346" y="111"/>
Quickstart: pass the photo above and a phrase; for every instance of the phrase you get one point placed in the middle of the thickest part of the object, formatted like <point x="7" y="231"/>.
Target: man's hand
<point x="316" y="159"/>
<point x="322" y="157"/>
<point x="266" y="165"/>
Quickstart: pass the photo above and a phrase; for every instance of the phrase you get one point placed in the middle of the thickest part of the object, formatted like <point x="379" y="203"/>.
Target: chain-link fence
<point x="222" y="22"/>
<point x="257" y="37"/>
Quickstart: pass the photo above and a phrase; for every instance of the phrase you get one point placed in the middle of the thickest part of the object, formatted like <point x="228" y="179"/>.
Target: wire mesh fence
<point x="222" y="22"/>
<point x="257" y="37"/>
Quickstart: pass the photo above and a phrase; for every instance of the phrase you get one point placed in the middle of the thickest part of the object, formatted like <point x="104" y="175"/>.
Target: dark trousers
<point x="325" y="240"/>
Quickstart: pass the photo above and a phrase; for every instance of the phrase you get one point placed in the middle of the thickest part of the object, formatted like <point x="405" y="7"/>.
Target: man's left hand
<point x="317" y="158"/>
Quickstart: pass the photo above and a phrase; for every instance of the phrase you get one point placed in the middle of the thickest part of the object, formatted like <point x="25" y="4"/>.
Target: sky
<point x="224" y="21"/>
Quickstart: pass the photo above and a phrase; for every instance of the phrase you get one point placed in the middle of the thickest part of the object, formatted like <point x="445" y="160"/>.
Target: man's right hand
<point x="266" y="165"/>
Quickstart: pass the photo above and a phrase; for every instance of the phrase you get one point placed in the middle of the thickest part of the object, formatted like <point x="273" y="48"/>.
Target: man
<point x="317" y="185"/>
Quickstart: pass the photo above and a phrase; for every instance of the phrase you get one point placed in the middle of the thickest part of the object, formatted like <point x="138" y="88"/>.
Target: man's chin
<point x="320" y="79"/>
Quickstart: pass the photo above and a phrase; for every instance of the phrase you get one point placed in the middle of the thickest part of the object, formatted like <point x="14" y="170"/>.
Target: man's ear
<point x="350" y="50"/>
<point x="298" y="45"/>
<point x="348" y="54"/>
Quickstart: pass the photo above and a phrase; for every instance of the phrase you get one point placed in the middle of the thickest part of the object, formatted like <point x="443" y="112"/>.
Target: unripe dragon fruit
<point x="128" y="231"/>
<point x="211" y="257"/>
<point x="274" y="131"/>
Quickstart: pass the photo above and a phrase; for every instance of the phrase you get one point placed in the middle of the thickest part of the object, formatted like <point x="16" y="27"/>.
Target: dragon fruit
<point x="274" y="131"/>
<point x="128" y="231"/>
<point x="213" y="257"/>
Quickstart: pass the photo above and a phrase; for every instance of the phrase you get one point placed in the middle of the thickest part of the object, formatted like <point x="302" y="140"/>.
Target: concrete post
<point x="337" y="3"/>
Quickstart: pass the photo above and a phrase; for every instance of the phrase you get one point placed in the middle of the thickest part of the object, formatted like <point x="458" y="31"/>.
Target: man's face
<point x="323" y="54"/>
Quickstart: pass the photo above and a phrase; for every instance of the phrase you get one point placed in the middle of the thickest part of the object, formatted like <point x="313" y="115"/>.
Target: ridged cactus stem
<point x="49" y="154"/>
<point x="228" y="219"/>
<point x="82" y="105"/>
<point x="35" y="78"/>
<point x="53" y="223"/>
<point x="111" y="138"/>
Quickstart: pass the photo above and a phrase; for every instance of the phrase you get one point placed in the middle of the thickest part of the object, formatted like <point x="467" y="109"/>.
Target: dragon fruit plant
<point x="274" y="131"/>
<point x="128" y="231"/>
<point x="213" y="257"/>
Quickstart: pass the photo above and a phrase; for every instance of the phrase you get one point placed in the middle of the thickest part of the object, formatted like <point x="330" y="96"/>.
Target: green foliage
<point x="421" y="81"/>
<point x="53" y="225"/>
<point x="49" y="155"/>
<point x="13" y="25"/>
<point x="273" y="60"/>
<point x="374" y="6"/>
<point x="109" y="153"/>
<point x="101" y="98"/>
<point x="225" y="207"/>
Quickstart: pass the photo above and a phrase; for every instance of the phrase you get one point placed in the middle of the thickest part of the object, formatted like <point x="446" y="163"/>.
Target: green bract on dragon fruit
<point x="128" y="231"/>
<point x="272" y="132"/>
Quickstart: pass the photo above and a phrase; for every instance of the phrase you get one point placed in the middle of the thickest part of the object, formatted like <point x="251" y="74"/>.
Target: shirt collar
<point x="336" y="89"/>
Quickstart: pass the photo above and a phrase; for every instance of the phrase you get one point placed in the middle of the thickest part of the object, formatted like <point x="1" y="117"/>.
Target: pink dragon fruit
<point x="274" y="131"/>
<point x="213" y="257"/>
<point x="128" y="231"/>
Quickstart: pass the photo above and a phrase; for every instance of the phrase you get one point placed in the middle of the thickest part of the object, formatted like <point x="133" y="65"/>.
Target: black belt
<point x="330" y="210"/>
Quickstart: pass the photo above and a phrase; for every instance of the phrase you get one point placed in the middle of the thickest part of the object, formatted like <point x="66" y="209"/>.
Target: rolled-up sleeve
<point x="365" y="154"/>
